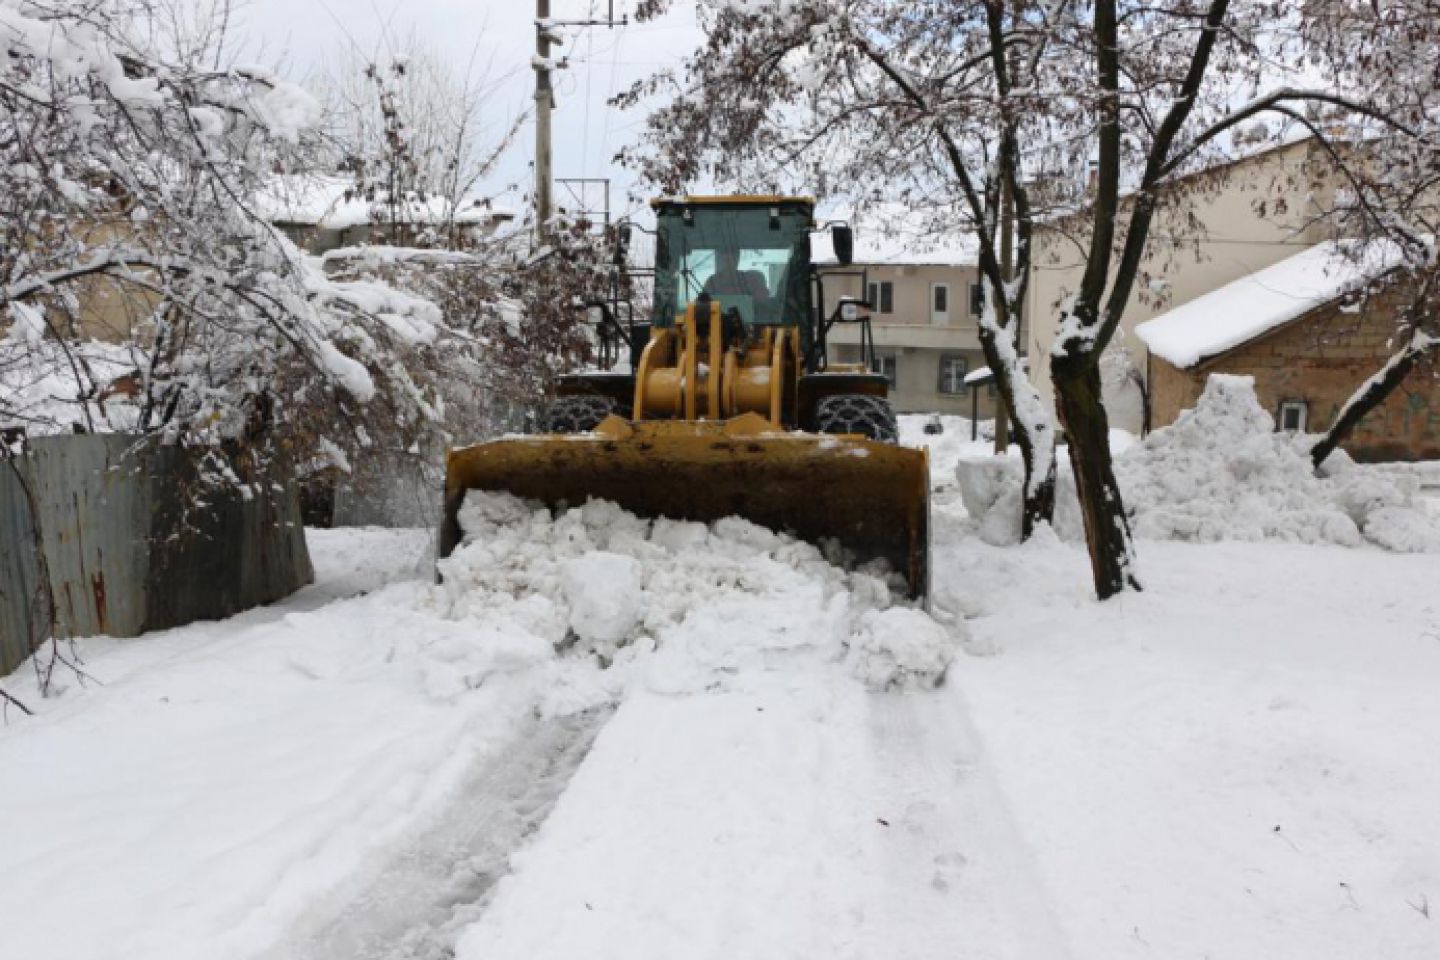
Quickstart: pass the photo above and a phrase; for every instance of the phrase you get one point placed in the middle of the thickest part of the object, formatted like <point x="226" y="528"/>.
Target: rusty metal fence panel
<point x="91" y="494"/>
<point x="20" y="601"/>
<point x="132" y="541"/>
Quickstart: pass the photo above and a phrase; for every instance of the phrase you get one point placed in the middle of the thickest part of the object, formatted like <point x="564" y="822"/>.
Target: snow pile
<point x="677" y="607"/>
<point x="1222" y="472"/>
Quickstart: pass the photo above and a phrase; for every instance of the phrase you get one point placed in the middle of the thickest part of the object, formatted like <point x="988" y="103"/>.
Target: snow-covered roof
<point x="982" y="375"/>
<point x="1254" y="305"/>
<point x="897" y="236"/>
<point x="331" y="202"/>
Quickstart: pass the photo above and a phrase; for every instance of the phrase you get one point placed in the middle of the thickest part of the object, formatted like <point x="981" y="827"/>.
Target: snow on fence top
<point x="1246" y="308"/>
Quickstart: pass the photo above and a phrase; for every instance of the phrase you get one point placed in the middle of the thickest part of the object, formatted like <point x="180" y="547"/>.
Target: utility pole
<point x="544" y="104"/>
<point x="545" y="35"/>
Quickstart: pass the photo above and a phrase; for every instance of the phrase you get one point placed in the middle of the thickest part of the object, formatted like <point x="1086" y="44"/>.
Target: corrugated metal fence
<point x="122" y="535"/>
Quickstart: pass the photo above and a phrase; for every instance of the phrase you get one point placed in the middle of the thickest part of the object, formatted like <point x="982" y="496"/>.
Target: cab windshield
<point x="752" y="259"/>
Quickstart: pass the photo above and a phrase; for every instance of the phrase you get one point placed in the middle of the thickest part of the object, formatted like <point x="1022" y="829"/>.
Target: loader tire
<point x="576" y="414"/>
<point x="870" y="417"/>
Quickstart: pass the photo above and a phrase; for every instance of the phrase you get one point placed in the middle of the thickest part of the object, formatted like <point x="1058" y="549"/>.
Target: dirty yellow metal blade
<point x="873" y="498"/>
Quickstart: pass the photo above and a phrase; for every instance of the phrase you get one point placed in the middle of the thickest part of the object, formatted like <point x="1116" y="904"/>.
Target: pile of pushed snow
<point x="679" y="607"/>
<point x="1222" y="472"/>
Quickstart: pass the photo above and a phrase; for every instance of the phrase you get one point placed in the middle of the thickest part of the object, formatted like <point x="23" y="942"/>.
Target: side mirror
<point x="842" y="238"/>
<point x="622" y="244"/>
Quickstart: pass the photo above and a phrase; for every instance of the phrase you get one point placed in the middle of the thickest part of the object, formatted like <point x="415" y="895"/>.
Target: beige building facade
<point x="1213" y="227"/>
<point x="923" y="319"/>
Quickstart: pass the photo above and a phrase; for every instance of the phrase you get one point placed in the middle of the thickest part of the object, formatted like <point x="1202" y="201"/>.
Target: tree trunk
<point x="1087" y="432"/>
<point x="1371" y="394"/>
<point x="1038" y="498"/>
<point x="1037" y="452"/>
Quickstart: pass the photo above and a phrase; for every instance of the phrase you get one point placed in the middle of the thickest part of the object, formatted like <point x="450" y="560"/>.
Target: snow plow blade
<point x="872" y="498"/>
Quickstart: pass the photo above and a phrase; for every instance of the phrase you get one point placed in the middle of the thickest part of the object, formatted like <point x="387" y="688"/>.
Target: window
<point x="886" y="365"/>
<point x="952" y="374"/>
<point x="1293" y="415"/>
<point x="940" y="304"/>
<point x="882" y="296"/>
<point x="745" y="279"/>
<point x="977" y="299"/>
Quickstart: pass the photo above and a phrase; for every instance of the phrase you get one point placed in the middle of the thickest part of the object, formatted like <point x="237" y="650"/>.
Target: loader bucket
<point x="873" y="498"/>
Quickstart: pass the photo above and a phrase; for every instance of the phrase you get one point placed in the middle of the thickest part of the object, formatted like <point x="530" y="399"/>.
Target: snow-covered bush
<point x="143" y="293"/>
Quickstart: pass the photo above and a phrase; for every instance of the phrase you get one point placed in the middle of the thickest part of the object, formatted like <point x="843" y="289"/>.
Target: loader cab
<point x="751" y="254"/>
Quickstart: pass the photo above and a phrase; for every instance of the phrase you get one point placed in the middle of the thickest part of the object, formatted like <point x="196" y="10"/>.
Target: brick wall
<point x="1320" y="360"/>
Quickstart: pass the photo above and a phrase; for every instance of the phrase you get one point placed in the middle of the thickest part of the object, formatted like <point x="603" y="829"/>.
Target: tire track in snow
<point x="948" y="817"/>
<point x="415" y="904"/>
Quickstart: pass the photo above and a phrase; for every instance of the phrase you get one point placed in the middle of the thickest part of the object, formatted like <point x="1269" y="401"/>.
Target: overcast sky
<point x="498" y="38"/>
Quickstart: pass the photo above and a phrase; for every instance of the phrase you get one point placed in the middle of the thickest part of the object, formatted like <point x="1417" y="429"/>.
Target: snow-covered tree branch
<point x="143" y="291"/>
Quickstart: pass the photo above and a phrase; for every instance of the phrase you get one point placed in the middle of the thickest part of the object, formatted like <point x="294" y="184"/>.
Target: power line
<point x="589" y="73"/>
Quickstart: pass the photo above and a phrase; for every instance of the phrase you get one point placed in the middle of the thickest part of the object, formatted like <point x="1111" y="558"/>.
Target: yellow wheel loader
<point x="731" y="406"/>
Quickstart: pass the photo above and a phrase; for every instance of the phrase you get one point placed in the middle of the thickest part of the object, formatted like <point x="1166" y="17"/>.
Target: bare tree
<point x="1392" y="195"/>
<point x="418" y="137"/>
<point x="962" y="109"/>
<point x="872" y="103"/>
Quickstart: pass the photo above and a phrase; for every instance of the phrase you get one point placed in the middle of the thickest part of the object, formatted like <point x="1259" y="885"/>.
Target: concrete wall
<point x="1320" y="360"/>
<point x="1213" y="228"/>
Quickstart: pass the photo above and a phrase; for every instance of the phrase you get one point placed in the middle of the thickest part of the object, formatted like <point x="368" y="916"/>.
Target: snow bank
<point x="1222" y="472"/>
<point x="678" y="607"/>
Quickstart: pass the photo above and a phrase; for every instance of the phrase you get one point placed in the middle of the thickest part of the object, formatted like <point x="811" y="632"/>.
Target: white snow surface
<point x="1244" y="309"/>
<point x="947" y="447"/>
<point x="1236" y="763"/>
<point x="1222" y="472"/>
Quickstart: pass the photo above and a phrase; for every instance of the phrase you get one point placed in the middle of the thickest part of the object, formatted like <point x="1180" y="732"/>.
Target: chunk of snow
<point x="899" y="648"/>
<point x="604" y="593"/>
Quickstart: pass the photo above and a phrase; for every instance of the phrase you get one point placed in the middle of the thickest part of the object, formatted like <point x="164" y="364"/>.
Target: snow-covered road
<point x="800" y="818"/>
<point x="1237" y="763"/>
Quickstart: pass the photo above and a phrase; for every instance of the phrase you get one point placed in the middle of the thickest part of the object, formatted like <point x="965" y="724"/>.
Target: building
<point x="1310" y="332"/>
<point x="924" y="298"/>
<point x="1212" y="228"/>
<point x="324" y="213"/>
